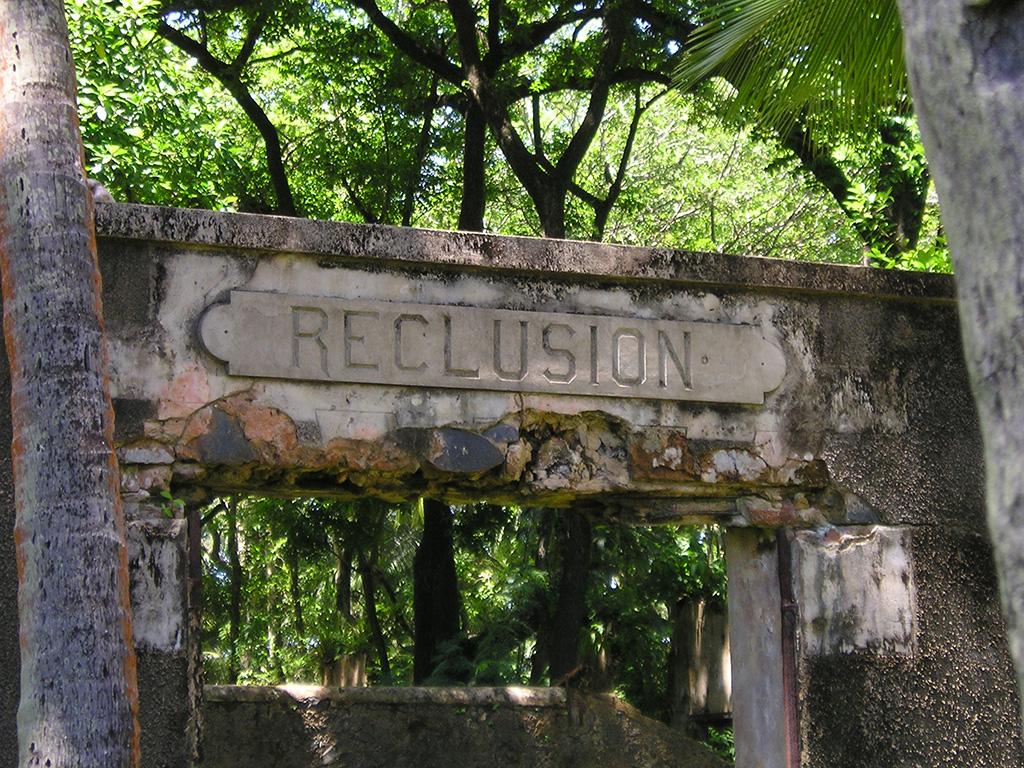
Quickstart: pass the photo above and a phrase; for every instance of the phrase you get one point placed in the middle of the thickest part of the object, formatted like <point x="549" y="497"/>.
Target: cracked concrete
<point x="866" y="420"/>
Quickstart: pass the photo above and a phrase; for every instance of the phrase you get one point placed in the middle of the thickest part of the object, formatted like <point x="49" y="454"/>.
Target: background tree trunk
<point x="370" y="604"/>
<point x="966" y="67"/>
<point x="78" y="683"/>
<point x="436" y="598"/>
<point x="575" y="539"/>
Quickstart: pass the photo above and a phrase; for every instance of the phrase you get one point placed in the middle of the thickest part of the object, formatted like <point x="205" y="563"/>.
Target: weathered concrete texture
<point x="340" y="242"/>
<point x="298" y="727"/>
<point x="952" y="702"/>
<point x="167" y="717"/>
<point x="872" y="378"/>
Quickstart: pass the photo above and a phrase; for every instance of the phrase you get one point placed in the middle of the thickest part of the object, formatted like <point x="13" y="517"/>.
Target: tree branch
<point x="408" y="45"/>
<point x="245" y="52"/>
<point x="528" y="37"/>
<point x="524" y="164"/>
<point x="232" y="82"/>
<point x="614" y="33"/>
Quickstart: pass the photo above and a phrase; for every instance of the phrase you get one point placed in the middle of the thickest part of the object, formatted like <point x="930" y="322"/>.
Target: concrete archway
<point x="820" y="413"/>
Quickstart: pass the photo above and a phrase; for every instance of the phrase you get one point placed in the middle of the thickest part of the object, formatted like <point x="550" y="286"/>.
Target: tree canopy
<point x="376" y="120"/>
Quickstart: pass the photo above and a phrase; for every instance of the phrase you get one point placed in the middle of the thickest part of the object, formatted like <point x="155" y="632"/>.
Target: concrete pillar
<point x="755" y="637"/>
<point x="165" y="636"/>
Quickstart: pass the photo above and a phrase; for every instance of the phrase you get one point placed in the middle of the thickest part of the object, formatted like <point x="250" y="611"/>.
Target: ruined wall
<point x="261" y="354"/>
<point x="300" y="726"/>
<point x="918" y="672"/>
<point x="250" y="353"/>
<point x="865" y="375"/>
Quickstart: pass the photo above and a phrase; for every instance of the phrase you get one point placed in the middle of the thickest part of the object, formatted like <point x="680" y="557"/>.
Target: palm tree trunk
<point x="78" y="681"/>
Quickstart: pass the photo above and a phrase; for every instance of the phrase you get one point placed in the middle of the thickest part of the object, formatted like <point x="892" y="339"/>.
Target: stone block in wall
<point x="855" y="590"/>
<point x="158" y="568"/>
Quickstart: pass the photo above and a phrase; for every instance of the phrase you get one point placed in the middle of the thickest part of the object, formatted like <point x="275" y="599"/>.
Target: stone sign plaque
<point x="317" y="338"/>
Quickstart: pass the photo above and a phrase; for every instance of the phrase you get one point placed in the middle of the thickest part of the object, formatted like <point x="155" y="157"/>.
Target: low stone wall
<point x="304" y="726"/>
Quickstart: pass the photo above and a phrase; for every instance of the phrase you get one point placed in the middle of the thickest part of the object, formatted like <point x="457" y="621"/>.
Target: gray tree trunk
<point x="78" y="690"/>
<point x="966" y="64"/>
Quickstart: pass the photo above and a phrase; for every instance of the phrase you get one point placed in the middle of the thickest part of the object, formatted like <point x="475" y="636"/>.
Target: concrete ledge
<point x="489" y="697"/>
<point x="342" y="241"/>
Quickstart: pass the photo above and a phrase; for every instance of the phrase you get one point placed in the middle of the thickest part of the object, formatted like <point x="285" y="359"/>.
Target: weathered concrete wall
<point x="872" y="424"/>
<point x="872" y="379"/>
<point x="166" y="634"/>
<point x="943" y="690"/>
<point x="866" y="421"/>
<point x="303" y="726"/>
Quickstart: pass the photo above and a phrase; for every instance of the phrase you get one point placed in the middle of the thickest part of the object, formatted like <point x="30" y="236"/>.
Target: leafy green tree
<point x="508" y="53"/>
<point x="364" y="139"/>
<point x="828" y="79"/>
<point x="154" y="130"/>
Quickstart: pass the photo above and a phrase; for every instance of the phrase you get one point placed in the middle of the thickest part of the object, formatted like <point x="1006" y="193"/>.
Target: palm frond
<point x="802" y="59"/>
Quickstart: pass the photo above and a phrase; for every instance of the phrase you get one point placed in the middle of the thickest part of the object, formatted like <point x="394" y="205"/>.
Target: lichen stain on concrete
<point x="517" y="457"/>
<point x="270" y="431"/>
<point x="245" y="439"/>
<point x="862" y="401"/>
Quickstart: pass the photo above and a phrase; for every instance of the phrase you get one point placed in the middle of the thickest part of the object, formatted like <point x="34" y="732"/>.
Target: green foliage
<point x="291" y="622"/>
<point x="154" y="130"/>
<point x="369" y="135"/>
<point x="930" y="257"/>
<point x="836" y="62"/>
<point x="170" y="505"/>
<point x="700" y="184"/>
<point x="721" y="743"/>
<point x="638" y="576"/>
